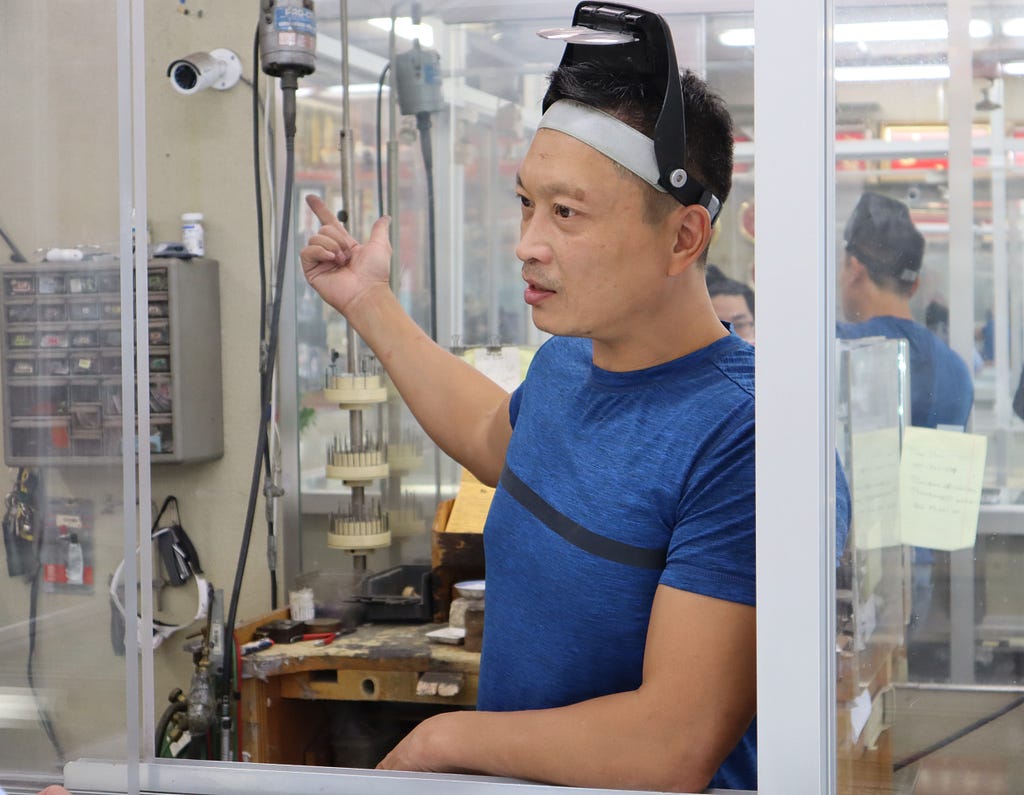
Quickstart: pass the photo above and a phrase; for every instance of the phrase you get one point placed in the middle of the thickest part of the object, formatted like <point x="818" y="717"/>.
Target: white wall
<point x="60" y="188"/>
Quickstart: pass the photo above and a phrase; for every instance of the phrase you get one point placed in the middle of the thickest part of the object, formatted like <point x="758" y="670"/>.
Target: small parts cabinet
<point x="61" y="352"/>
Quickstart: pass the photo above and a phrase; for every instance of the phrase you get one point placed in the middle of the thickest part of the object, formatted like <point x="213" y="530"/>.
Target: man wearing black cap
<point x="879" y="276"/>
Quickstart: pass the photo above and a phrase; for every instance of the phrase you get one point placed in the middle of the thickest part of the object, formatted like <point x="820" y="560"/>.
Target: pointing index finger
<point x="320" y="210"/>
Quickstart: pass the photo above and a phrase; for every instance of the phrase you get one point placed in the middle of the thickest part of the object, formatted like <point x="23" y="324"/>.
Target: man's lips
<point x="534" y="293"/>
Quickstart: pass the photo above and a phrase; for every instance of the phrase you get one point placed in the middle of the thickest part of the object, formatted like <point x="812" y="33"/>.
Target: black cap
<point x="881" y="234"/>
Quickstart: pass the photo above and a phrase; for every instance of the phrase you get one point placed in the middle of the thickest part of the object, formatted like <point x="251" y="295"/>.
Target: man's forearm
<point x="620" y="741"/>
<point x="453" y="402"/>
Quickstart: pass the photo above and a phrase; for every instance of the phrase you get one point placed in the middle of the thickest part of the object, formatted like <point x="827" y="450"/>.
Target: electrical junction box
<point x="61" y="361"/>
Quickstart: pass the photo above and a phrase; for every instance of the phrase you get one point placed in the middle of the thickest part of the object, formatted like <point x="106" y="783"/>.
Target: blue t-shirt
<point x="941" y="390"/>
<point x="615" y="483"/>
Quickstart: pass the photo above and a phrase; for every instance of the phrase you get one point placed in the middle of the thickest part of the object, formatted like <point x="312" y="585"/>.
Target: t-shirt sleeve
<point x="711" y="551"/>
<point x="843" y="510"/>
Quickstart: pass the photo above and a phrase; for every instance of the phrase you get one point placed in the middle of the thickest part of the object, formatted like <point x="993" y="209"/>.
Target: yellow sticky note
<point x="875" y="488"/>
<point x="471" y="506"/>
<point x="941" y="476"/>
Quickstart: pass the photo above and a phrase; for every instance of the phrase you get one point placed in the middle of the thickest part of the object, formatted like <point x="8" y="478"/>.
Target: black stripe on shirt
<point x="577" y="534"/>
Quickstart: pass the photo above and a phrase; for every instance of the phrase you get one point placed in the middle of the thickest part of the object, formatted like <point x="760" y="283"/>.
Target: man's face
<point x="593" y="267"/>
<point x="733" y="309"/>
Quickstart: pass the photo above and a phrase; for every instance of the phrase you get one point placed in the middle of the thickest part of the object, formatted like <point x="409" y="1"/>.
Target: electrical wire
<point x="33" y="610"/>
<point x="260" y="235"/>
<point x="16" y="255"/>
<point x="289" y="84"/>
<point x="423" y="125"/>
<point x="160" y="740"/>
<point x="380" y="155"/>
<point x="938" y="746"/>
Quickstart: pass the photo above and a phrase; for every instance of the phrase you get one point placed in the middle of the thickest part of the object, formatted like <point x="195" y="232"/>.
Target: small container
<point x="300" y="604"/>
<point x="474" y="625"/>
<point x="192" y="234"/>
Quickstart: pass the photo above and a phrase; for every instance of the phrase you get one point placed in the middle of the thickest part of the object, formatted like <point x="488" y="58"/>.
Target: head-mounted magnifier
<point x="632" y="41"/>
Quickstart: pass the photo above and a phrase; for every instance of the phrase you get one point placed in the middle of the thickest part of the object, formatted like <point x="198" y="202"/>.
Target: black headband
<point x="649" y="53"/>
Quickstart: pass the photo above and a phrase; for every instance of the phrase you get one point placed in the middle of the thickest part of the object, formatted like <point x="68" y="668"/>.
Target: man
<point x="619" y="643"/>
<point x="733" y="302"/>
<point x="880" y="274"/>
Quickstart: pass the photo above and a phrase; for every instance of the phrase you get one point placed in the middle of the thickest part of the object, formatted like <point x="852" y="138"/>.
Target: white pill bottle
<point x="192" y="234"/>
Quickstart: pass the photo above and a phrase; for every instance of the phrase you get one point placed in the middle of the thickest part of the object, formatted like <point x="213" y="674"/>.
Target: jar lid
<point x="191" y="216"/>
<point x="470" y="589"/>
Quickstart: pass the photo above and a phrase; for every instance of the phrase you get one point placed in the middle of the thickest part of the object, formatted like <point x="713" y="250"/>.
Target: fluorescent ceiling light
<point x="870" y="74"/>
<point x="737" y="37"/>
<point x="1015" y="68"/>
<point x="1013" y="27"/>
<point x="405" y="29"/>
<point x="853" y="32"/>
<point x="355" y="89"/>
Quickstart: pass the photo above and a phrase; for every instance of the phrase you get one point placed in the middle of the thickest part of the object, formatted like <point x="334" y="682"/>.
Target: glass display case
<point x="873" y="577"/>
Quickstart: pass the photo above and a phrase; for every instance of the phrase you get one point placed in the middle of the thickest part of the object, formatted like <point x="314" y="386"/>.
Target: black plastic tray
<point x="382" y="594"/>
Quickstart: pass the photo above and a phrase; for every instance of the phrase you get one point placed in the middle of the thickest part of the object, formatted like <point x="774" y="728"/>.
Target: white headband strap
<point x="615" y="139"/>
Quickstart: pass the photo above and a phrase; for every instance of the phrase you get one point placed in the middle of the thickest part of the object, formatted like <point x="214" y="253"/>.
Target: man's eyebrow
<point x="556" y="189"/>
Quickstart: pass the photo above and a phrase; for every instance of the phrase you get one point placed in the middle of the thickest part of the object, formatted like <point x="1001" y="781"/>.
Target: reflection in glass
<point x="897" y="136"/>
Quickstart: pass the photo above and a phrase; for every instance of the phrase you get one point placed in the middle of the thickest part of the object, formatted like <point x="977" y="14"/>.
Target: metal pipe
<point x="952" y="687"/>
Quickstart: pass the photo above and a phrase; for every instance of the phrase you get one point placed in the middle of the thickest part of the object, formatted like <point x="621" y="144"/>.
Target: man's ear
<point x="913" y="287"/>
<point x="692" y="225"/>
<point x="858" y="270"/>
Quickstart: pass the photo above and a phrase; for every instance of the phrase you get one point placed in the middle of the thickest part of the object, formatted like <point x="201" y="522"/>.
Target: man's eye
<point x="524" y="201"/>
<point x="564" y="212"/>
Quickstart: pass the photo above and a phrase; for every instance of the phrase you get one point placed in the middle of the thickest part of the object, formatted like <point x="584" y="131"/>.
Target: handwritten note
<point x="875" y="488"/>
<point x="501" y="365"/>
<point x="941" y="477"/>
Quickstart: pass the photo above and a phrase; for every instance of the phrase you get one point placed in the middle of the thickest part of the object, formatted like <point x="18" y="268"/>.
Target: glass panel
<point x="62" y="669"/>
<point x="936" y="148"/>
<point x="349" y="422"/>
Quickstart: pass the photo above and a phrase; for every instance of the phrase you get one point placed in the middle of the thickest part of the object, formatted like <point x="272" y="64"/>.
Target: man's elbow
<point x="689" y="774"/>
<point x="687" y="765"/>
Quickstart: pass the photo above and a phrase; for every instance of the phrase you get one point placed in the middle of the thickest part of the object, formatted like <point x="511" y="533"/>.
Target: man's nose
<point x="532" y="245"/>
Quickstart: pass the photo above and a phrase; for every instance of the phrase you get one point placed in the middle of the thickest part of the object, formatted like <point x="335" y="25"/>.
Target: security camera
<point x="218" y="69"/>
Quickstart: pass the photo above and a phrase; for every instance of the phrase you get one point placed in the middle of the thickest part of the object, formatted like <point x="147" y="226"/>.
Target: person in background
<point x="733" y="302"/>
<point x="879" y="275"/>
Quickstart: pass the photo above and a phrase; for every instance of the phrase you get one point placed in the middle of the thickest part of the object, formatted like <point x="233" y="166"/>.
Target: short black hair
<point x="709" y="130"/>
<point x="881" y="234"/>
<point x="721" y="284"/>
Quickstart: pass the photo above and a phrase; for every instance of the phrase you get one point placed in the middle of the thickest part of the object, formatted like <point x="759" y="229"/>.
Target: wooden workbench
<point x="287" y="690"/>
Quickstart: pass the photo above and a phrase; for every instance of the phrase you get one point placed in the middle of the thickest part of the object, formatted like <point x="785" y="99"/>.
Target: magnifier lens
<point x="582" y="35"/>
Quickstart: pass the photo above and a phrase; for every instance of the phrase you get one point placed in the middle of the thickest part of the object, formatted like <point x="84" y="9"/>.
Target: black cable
<point x="289" y="83"/>
<point x="16" y="255"/>
<point x="423" y="125"/>
<point x="33" y="611"/>
<point x="380" y="157"/>
<point x="165" y="720"/>
<point x="258" y="181"/>
<point x="938" y="746"/>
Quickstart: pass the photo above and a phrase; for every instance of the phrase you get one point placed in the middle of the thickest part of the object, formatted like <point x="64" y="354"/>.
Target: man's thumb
<point x="379" y="232"/>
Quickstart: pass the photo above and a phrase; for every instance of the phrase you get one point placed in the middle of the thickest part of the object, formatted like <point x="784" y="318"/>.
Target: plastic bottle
<point x="192" y="234"/>
<point x="75" y="566"/>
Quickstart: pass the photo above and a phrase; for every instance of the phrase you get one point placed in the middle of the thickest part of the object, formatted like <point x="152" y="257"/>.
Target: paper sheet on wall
<point x="875" y="488"/>
<point x="502" y="365"/>
<point x="471" y="506"/>
<point x="941" y="476"/>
